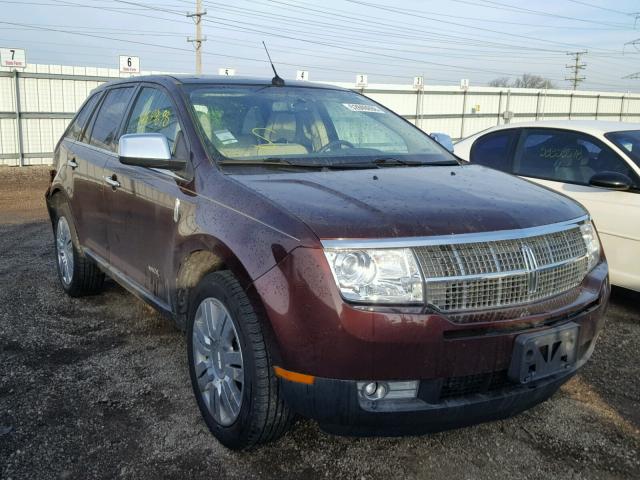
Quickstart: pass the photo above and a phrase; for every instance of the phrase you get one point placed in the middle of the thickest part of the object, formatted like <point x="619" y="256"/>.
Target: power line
<point x="198" y="39"/>
<point x="587" y="4"/>
<point x="239" y="26"/>
<point x="575" y="69"/>
<point x="413" y="14"/>
<point x="514" y="8"/>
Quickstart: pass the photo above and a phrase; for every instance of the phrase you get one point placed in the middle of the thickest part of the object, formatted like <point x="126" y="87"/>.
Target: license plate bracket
<point x="542" y="354"/>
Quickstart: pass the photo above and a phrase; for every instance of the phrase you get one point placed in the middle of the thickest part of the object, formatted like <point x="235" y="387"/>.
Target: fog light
<point x="375" y="390"/>
<point x="389" y="390"/>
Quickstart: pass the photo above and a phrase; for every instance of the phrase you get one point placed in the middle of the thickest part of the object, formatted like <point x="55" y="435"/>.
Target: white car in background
<point x="596" y="163"/>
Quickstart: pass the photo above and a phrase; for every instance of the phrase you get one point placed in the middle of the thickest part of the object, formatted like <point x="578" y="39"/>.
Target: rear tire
<point x="228" y="359"/>
<point x="78" y="274"/>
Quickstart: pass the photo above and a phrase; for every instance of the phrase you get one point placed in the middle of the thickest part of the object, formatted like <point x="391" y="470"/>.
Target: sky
<point x="334" y="40"/>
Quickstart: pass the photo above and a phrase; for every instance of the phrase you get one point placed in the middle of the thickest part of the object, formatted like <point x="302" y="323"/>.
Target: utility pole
<point x="198" y="39"/>
<point x="575" y="68"/>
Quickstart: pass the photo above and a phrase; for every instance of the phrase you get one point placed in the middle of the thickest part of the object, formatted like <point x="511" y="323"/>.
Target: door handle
<point x="73" y="164"/>
<point x="112" y="181"/>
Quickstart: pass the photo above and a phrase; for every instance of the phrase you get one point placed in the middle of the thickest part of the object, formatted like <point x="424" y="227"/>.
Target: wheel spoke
<point x="211" y="327"/>
<point x="205" y="382"/>
<point x="230" y="398"/>
<point x="200" y="344"/>
<point x="214" y="403"/>
<point x="227" y="333"/>
<point x="235" y="373"/>
<point x="200" y="368"/>
<point x="232" y="358"/>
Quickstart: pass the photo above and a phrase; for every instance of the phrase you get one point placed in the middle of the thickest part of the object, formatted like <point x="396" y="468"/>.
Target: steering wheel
<point x="336" y="143"/>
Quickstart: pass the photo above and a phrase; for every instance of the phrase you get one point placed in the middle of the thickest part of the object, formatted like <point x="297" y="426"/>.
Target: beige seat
<point x="281" y="128"/>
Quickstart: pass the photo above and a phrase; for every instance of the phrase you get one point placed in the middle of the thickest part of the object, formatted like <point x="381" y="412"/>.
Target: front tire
<point x="78" y="274"/>
<point x="230" y="366"/>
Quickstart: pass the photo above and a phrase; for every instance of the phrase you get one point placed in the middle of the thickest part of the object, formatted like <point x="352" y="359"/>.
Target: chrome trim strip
<point x="506" y="273"/>
<point x="453" y="239"/>
<point x="93" y="147"/>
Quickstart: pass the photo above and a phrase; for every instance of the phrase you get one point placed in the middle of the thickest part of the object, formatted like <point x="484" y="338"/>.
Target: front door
<point x="145" y="206"/>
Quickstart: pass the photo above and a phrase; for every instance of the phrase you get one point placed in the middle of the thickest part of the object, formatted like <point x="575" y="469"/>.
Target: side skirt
<point x="133" y="287"/>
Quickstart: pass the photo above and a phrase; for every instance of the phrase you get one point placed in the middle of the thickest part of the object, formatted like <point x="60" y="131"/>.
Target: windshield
<point x="301" y="126"/>
<point x="629" y="142"/>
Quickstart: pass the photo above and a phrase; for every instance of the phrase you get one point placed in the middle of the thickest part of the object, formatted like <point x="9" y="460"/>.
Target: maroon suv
<point x="325" y="257"/>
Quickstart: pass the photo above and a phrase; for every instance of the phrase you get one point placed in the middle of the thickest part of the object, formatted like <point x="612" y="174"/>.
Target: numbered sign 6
<point x="129" y="64"/>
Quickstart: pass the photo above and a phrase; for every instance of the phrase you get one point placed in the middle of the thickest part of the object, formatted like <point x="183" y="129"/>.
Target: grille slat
<point x="494" y="274"/>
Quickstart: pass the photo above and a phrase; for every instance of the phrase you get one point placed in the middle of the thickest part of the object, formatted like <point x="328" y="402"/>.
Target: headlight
<point x="592" y="243"/>
<point x="376" y="276"/>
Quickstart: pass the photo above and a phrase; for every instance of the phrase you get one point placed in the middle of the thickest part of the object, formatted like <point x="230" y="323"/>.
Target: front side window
<point x="494" y="150"/>
<point x="76" y="127"/>
<point x="106" y="124"/>
<point x="306" y="125"/>
<point x="153" y="112"/>
<point x="564" y="156"/>
<point x="628" y="142"/>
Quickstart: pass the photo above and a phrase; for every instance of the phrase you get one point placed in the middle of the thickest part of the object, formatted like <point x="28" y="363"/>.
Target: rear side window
<point x="81" y="119"/>
<point x="494" y="150"/>
<point x="565" y="156"/>
<point x="106" y="124"/>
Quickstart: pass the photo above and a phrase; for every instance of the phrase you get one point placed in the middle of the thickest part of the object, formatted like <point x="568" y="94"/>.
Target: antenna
<point x="277" y="81"/>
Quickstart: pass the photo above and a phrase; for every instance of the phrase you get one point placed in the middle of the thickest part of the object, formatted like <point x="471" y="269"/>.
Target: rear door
<point x="82" y="170"/>
<point x="145" y="208"/>
<point x="565" y="161"/>
<point x="97" y="147"/>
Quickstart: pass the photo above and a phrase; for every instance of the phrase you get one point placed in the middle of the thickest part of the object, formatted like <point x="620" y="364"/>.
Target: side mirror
<point x="611" y="180"/>
<point x="443" y="139"/>
<point x="150" y="150"/>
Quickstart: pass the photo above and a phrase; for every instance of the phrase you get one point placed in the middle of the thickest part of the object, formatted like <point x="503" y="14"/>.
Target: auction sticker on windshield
<point x="359" y="107"/>
<point x="225" y="136"/>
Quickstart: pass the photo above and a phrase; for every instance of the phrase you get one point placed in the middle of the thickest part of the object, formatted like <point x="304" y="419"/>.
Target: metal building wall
<point x="49" y="95"/>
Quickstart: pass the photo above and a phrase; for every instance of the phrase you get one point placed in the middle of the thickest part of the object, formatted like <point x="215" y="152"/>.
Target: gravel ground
<point x="99" y="388"/>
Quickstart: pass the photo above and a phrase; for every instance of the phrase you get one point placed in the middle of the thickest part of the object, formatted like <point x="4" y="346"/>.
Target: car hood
<point x="411" y="201"/>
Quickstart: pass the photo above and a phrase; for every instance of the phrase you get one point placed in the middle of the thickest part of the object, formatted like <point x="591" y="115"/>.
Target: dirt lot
<point x="98" y="388"/>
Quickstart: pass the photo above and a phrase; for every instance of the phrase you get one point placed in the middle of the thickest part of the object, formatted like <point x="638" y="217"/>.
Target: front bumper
<point x="439" y="403"/>
<point x="461" y="368"/>
<point x="339" y="409"/>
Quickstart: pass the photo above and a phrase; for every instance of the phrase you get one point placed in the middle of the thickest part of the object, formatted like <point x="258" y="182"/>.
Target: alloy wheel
<point x="64" y="248"/>
<point x="217" y="360"/>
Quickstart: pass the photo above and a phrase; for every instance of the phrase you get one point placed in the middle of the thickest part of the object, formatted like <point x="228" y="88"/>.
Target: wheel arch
<point x="206" y="255"/>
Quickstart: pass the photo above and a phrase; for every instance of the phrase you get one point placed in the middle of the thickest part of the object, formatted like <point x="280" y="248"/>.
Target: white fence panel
<point x="51" y="94"/>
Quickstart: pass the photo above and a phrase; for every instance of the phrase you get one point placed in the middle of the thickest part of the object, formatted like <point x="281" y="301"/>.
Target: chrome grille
<point x="492" y="274"/>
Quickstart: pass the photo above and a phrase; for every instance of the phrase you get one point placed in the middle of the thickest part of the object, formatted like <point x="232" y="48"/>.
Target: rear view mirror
<point x="150" y="150"/>
<point x="611" y="180"/>
<point x="443" y="139"/>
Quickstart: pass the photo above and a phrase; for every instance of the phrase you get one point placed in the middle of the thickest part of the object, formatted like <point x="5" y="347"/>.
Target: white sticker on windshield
<point x="359" y="107"/>
<point x="225" y="136"/>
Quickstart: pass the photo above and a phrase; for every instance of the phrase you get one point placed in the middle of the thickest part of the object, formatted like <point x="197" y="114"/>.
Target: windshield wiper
<point x="277" y="162"/>
<point x="396" y="161"/>
<point x="388" y="162"/>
